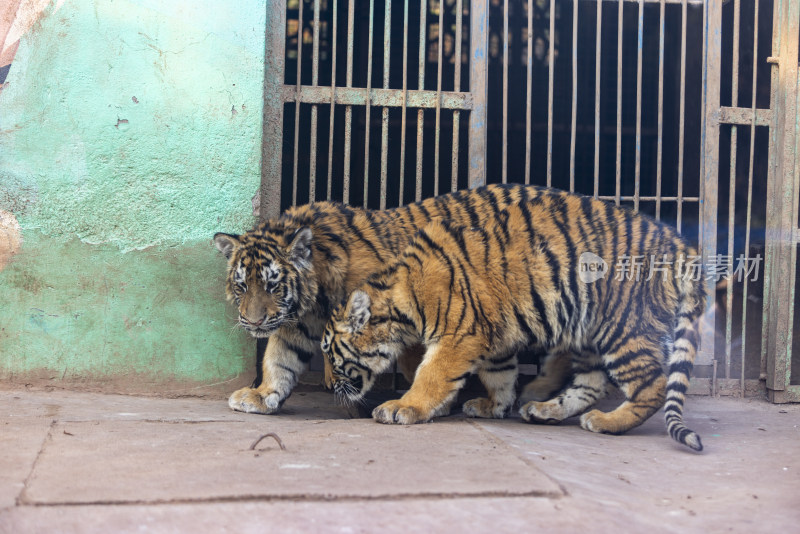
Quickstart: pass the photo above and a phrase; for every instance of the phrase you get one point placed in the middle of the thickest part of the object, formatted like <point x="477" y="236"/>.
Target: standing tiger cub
<point x="285" y="274"/>
<point x="474" y="296"/>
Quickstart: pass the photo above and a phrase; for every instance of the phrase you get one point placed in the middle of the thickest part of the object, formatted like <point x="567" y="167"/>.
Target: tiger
<point x="475" y="295"/>
<point x="286" y="274"/>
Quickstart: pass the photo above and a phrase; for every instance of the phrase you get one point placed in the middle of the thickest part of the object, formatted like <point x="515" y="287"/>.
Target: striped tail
<point x="681" y="361"/>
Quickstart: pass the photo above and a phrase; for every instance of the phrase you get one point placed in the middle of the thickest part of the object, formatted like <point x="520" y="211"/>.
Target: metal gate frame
<point x="783" y="185"/>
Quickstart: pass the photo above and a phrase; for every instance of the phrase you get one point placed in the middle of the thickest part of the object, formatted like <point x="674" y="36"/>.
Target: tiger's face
<point x="269" y="276"/>
<point x="361" y="340"/>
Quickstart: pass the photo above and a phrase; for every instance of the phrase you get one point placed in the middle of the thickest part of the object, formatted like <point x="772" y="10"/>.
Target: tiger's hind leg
<point x="636" y="369"/>
<point x="555" y="372"/>
<point x="498" y="375"/>
<point x="588" y="384"/>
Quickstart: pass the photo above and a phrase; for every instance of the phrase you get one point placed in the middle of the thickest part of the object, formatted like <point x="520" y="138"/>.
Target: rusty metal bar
<point x="297" y="102"/>
<point x="619" y="103"/>
<point x="479" y="71"/>
<point x="659" y="154"/>
<point x="782" y="203"/>
<point x="529" y="95"/>
<point x="312" y="174"/>
<point x="710" y="159"/>
<point x="457" y="88"/>
<point x="745" y="116"/>
<point x="749" y="191"/>
<point x="438" y="101"/>
<point x="732" y="187"/>
<point x="504" y="172"/>
<point x="574" y="95"/>
<point x="631" y="198"/>
<point x="272" y="115"/>
<point x="772" y="187"/>
<point x="638" y="165"/>
<point x="387" y="44"/>
<point x="423" y="11"/>
<point x="597" y="75"/>
<point x="348" y="111"/>
<point x="333" y="102"/>
<point x="357" y="96"/>
<point x="404" y="108"/>
<point x="682" y="118"/>
<point x="368" y="103"/>
<point x="550" y="76"/>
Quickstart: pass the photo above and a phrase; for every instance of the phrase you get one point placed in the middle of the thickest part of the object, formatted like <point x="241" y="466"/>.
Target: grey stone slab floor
<point x="90" y="462"/>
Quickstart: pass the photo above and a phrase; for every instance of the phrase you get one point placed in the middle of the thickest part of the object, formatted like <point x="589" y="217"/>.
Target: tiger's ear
<point x="357" y="312"/>
<point x="300" y="248"/>
<point x="226" y="243"/>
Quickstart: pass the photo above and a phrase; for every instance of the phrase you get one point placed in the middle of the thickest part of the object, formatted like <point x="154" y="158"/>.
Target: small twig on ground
<point x="270" y="435"/>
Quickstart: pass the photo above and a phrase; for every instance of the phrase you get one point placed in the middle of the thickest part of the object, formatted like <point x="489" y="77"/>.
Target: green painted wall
<point x="129" y="134"/>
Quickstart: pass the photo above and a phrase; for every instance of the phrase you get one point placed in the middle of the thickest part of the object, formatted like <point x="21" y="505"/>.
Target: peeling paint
<point x="10" y="237"/>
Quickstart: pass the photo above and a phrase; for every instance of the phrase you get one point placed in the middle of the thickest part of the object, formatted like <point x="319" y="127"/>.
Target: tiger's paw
<point x="542" y="412"/>
<point x="396" y="412"/>
<point x="596" y="421"/>
<point x="483" y="407"/>
<point x="249" y="400"/>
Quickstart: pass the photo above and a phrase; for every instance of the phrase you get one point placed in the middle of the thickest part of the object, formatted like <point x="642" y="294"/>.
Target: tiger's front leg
<point x="285" y="359"/>
<point x="443" y="371"/>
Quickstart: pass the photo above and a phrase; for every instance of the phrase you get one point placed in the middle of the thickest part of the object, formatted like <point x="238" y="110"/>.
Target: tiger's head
<point x="362" y="339"/>
<point x="270" y="275"/>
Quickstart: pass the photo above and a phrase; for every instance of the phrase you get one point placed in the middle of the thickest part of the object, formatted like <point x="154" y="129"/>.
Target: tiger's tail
<point x="681" y="360"/>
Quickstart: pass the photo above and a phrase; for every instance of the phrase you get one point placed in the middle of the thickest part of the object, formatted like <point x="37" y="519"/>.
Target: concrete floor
<point x="88" y="462"/>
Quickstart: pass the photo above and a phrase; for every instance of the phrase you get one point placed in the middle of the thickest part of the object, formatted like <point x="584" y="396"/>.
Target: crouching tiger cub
<point x="286" y="272"/>
<point x="474" y="296"/>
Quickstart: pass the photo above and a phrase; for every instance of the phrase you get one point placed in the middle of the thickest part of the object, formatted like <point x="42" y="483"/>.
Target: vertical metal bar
<point x="782" y="218"/>
<point x="504" y="173"/>
<point x="272" y="118"/>
<point x="732" y="188"/>
<point x="367" y="110"/>
<point x="438" y="101"/>
<point x="574" y="95"/>
<point x="423" y="12"/>
<point x="551" y="62"/>
<point x="772" y="187"/>
<point x="457" y="88"/>
<point x="681" y="113"/>
<point x="312" y="174"/>
<point x="387" y="43"/>
<point x="479" y="71"/>
<point x="598" y="47"/>
<point x="529" y="94"/>
<point x="348" y="110"/>
<point x="619" y="103"/>
<point x="333" y="102"/>
<point x="710" y="159"/>
<point x="297" y="98"/>
<point x="749" y="192"/>
<point x="404" y="109"/>
<point x="637" y="170"/>
<point x="659" y="154"/>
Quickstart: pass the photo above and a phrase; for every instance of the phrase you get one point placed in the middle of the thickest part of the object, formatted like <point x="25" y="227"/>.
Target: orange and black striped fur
<point x="285" y="273"/>
<point x="474" y="296"/>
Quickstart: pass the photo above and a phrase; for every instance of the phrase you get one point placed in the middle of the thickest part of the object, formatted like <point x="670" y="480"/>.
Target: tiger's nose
<point x="254" y="323"/>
